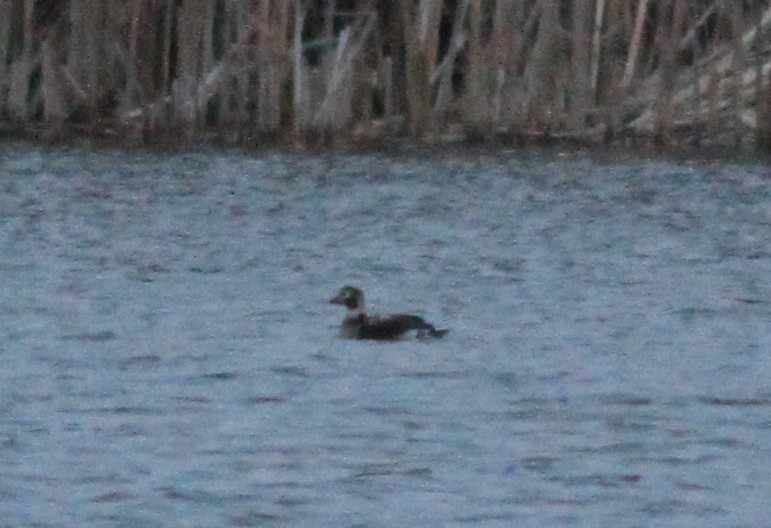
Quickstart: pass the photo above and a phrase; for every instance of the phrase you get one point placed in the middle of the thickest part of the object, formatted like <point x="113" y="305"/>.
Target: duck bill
<point x="337" y="300"/>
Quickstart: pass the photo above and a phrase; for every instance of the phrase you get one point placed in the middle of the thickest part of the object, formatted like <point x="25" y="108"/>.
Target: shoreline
<point x="396" y="146"/>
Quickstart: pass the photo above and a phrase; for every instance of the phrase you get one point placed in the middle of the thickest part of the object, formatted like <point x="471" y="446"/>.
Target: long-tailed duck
<point x="358" y="325"/>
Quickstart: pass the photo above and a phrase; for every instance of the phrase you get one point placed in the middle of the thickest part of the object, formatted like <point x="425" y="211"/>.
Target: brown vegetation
<point x="248" y="71"/>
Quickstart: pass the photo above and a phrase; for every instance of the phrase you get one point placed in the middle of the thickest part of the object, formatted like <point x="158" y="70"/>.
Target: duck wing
<point x="391" y="327"/>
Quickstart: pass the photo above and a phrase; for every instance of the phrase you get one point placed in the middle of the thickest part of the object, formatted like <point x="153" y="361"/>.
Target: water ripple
<point x="168" y="349"/>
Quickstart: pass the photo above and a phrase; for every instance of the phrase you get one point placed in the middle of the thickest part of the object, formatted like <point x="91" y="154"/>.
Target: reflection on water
<point x="168" y="354"/>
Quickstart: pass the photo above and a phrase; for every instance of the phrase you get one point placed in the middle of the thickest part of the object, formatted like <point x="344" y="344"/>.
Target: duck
<point x="358" y="325"/>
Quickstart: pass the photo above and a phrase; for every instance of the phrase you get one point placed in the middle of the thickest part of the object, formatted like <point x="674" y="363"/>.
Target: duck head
<point x="351" y="297"/>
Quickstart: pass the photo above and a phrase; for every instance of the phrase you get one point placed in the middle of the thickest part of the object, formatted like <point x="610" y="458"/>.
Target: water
<point x="168" y="356"/>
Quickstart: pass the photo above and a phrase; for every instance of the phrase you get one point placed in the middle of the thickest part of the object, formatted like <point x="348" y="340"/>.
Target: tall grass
<point x="248" y="71"/>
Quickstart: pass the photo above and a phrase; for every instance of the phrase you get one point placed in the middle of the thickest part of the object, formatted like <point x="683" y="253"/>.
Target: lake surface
<point x="168" y="355"/>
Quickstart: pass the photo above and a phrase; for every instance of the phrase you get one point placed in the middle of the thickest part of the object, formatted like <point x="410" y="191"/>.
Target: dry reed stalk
<point x="131" y="92"/>
<point x="758" y="44"/>
<point x="599" y="12"/>
<point x="737" y="70"/>
<point x="301" y="90"/>
<point x="243" y="89"/>
<point x="54" y="105"/>
<point x="718" y="88"/>
<point x="167" y="40"/>
<point x="502" y="43"/>
<point x="416" y="29"/>
<point x="542" y="69"/>
<point x="762" y="92"/>
<point x="676" y="33"/>
<point x="219" y="82"/>
<point x="505" y="46"/>
<point x="697" y="95"/>
<point x="229" y="76"/>
<point x="442" y="74"/>
<point x="87" y="69"/>
<point x="613" y="97"/>
<point x="5" y="42"/>
<point x="335" y="111"/>
<point x="713" y="102"/>
<point x="273" y="54"/>
<point x="226" y="92"/>
<point x="427" y="28"/>
<point x="212" y="66"/>
<point x="329" y="19"/>
<point x="207" y="36"/>
<point x="328" y="34"/>
<point x="184" y="97"/>
<point x="149" y="107"/>
<point x="366" y="86"/>
<point x="763" y="131"/>
<point x="335" y="108"/>
<point x="580" y="87"/>
<point x="475" y="110"/>
<point x="430" y="15"/>
<point x="691" y="36"/>
<point x="20" y="104"/>
<point x="635" y="43"/>
<point x="665" y="39"/>
<point x="617" y="37"/>
<point x="762" y="23"/>
<point x="386" y="76"/>
<point x="510" y="111"/>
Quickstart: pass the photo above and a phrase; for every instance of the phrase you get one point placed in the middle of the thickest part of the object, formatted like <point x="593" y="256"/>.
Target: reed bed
<point x="303" y="71"/>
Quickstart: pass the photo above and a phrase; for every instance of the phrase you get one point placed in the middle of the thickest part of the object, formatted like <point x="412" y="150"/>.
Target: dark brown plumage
<point x="358" y="325"/>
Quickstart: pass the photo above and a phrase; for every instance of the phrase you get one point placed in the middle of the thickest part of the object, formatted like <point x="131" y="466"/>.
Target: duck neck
<point x="356" y="312"/>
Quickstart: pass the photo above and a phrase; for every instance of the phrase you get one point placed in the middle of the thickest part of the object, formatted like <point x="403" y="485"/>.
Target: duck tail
<point x="428" y="330"/>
